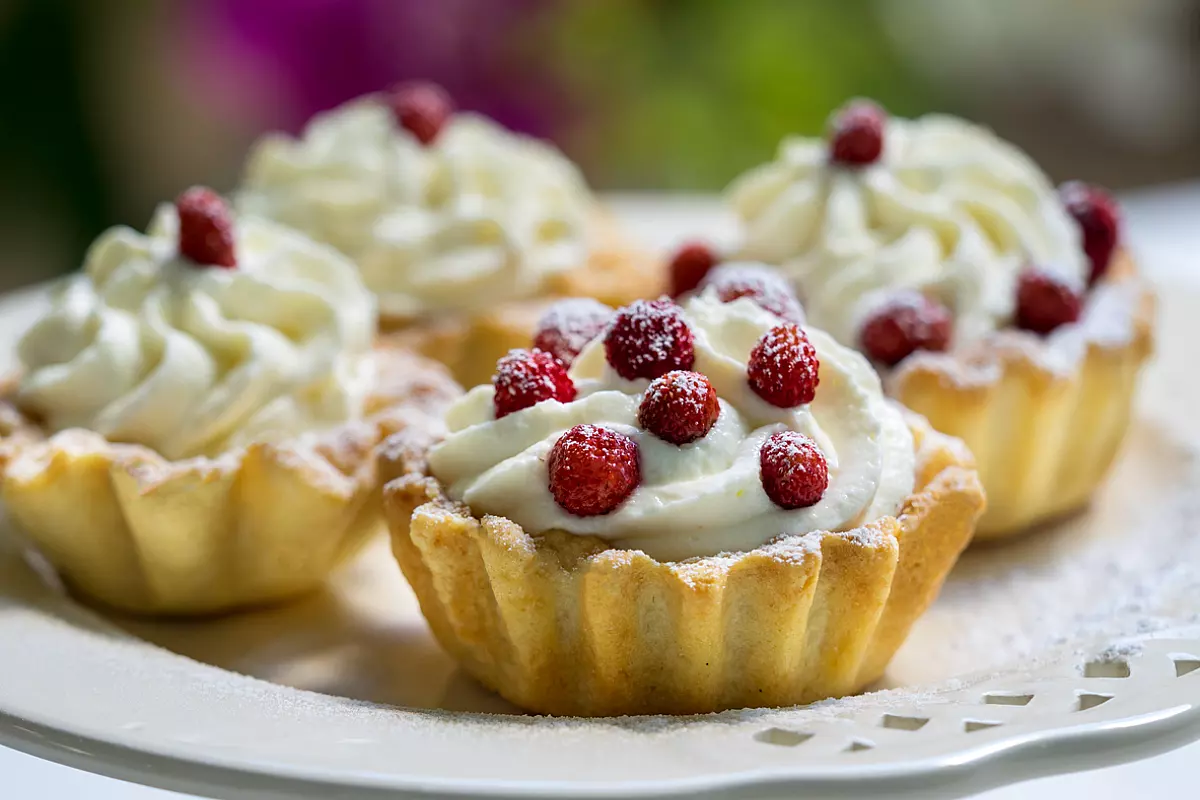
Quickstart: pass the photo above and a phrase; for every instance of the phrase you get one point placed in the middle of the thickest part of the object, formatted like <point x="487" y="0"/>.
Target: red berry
<point x="679" y="407"/>
<point x="205" y="228"/>
<point x="593" y="470"/>
<point x="569" y="325"/>
<point x="1044" y="302"/>
<point x="765" y="286"/>
<point x="689" y="265"/>
<point x="908" y="322"/>
<point x="648" y="339"/>
<point x="527" y="377"/>
<point x="783" y="368"/>
<point x="421" y="108"/>
<point x="856" y="135"/>
<point x="794" y="473"/>
<point x="1098" y="218"/>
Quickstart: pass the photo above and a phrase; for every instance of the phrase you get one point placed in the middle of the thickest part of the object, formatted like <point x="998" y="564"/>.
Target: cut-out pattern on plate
<point x="1106" y="668"/>
<point x="1184" y="664"/>
<point x="1066" y="687"/>
<point x="1089" y="700"/>
<point x="972" y="725"/>
<point x="782" y="737"/>
<point x="901" y="723"/>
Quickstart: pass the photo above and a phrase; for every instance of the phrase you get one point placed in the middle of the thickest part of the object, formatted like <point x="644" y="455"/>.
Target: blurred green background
<point x="111" y="106"/>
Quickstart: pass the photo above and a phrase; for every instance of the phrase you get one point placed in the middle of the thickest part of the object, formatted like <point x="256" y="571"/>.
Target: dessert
<point x="194" y="426"/>
<point x="458" y="226"/>
<point x="1003" y="310"/>
<point x="713" y="508"/>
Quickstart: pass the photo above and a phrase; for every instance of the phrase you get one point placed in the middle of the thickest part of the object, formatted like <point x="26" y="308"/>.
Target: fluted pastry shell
<point x="132" y="530"/>
<point x="1043" y="432"/>
<point x="617" y="272"/>
<point x="564" y="624"/>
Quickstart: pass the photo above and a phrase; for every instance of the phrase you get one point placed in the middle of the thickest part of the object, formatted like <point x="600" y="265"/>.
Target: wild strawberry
<point x="679" y="407"/>
<point x="527" y="377"/>
<point x="908" y="322"/>
<point x="765" y="286"/>
<point x="421" y="108"/>
<point x="794" y="471"/>
<point x="856" y="134"/>
<point x="569" y="325"/>
<point x="205" y="228"/>
<point x="1044" y="302"/>
<point x="648" y="339"/>
<point x="1098" y="218"/>
<point x="783" y="368"/>
<point x="689" y="265"/>
<point x="593" y="470"/>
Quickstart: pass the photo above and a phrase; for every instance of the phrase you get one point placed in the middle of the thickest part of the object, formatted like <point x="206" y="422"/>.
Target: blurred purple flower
<point x="277" y="62"/>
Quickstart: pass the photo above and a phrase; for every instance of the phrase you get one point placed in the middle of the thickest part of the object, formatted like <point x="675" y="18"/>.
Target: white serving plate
<point x="1075" y="648"/>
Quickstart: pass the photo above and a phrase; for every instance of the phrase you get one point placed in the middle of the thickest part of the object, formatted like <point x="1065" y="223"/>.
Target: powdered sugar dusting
<point x="649" y="339"/>
<point x="680" y="407"/>
<point x="908" y="321"/>
<point x="1131" y="565"/>
<point x="524" y="378"/>
<point x="1109" y="321"/>
<point x="567" y="326"/>
<point x="784" y="369"/>
<point x="1128" y="566"/>
<point x="699" y="494"/>
<point x="794" y="471"/>
<point x="765" y="286"/>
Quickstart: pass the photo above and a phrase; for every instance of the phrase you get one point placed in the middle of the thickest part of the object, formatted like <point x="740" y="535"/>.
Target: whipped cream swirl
<point x="479" y="216"/>
<point x="949" y="209"/>
<point x="705" y="497"/>
<point x="147" y="347"/>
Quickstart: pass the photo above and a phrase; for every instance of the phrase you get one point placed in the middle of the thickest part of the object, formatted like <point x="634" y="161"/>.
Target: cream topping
<point x="949" y="209"/>
<point x="479" y="216"/>
<point x="705" y="497"/>
<point x="147" y="347"/>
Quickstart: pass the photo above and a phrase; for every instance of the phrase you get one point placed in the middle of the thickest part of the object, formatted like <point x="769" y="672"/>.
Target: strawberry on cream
<point x="713" y="493"/>
<point x="935" y="205"/>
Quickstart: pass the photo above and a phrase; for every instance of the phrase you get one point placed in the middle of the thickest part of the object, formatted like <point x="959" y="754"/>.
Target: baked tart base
<point x="563" y="624"/>
<point x="1044" y="419"/>
<point x="131" y="530"/>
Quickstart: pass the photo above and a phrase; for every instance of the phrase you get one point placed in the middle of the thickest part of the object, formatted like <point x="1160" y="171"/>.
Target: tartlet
<point x="1004" y="311"/>
<point x="196" y="425"/>
<point x="1044" y="418"/>
<point x="451" y="218"/>
<point x="725" y="535"/>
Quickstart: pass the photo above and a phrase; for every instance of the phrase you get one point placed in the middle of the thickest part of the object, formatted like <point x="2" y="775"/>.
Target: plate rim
<point x="1058" y="751"/>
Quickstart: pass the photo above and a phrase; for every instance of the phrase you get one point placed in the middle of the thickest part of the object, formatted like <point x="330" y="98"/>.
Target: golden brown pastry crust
<point x="131" y="530"/>
<point x="563" y="624"/>
<point x="1043" y="438"/>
